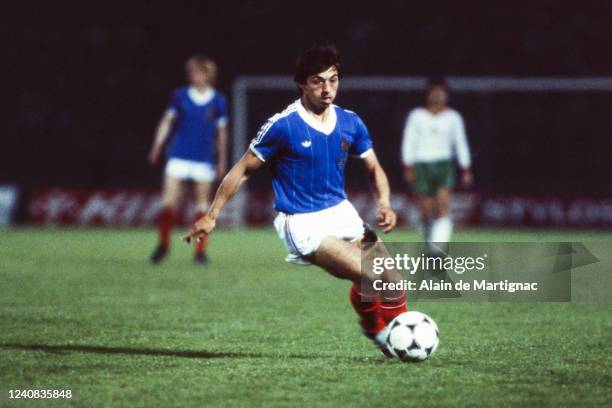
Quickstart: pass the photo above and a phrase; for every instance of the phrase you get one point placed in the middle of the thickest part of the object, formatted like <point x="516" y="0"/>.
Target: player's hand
<point x="153" y="156"/>
<point x="386" y="218"/>
<point x="467" y="179"/>
<point x="200" y="228"/>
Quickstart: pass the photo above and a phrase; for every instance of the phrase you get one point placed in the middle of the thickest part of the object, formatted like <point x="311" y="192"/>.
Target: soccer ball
<point x="412" y="336"/>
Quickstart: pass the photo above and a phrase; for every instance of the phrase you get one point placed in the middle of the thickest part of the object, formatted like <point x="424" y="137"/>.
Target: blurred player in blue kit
<point x="307" y="147"/>
<point x="433" y="135"/>
<point x="197" y="121"/>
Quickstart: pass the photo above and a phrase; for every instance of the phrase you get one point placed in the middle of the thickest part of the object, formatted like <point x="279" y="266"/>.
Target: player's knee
<point x="339" y="258"/>
<point x="169" y="201"/>
<point x="441" y="212"/>
<point x="441" y="209"/>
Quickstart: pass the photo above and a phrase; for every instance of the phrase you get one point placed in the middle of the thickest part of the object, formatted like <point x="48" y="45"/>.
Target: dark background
<point x="86" y="82"/>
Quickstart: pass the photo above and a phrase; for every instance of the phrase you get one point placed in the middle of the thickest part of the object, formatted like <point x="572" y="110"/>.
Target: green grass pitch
<point x="82" y="309"/>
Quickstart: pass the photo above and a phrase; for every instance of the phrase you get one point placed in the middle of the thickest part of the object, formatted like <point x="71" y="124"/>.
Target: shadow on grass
<point x="84" y="348"/>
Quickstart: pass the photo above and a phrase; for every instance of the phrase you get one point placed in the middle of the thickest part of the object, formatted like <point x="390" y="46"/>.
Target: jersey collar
<point x="326" y="128"/>
<point x="201" y="98"/>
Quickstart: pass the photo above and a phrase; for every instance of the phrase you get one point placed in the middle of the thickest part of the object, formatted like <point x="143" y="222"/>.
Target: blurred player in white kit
<point x="433" y="135"/>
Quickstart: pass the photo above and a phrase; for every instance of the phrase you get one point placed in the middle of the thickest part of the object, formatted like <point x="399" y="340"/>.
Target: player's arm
<point x="463" y="152"/>
<point x="386" y="216"/>
<point x="222" y="136"/>
<point x="229" y="186"/>
<point x="409" y="141"/>
<point x="161" y="136"/>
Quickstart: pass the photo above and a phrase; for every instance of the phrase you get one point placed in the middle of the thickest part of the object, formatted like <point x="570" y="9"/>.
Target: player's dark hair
<point x="316" y="59"/>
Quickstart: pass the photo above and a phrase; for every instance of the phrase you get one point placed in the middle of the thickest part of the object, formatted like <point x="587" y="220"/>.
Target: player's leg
<point x="171" y="193"/>
<point x="340" y="258"/>
<point x="426" y="210"/>
<point x="331" y="239"/>
<point x="442" y="227"/>
<point x="346" y="224"/>
<point x="344" y="260"/>
<point x="202" y="193"/>
<point x="441" y="202"/>
<point x="393" y="303"/>
<point x="424" y="193"/>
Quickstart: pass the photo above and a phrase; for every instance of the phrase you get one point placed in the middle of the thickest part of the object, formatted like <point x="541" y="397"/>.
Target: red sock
<point x="165" y="221"/>
<point x="393" y="307"/>
<point x="368" y="309"/>
<point x="201" y="245"/>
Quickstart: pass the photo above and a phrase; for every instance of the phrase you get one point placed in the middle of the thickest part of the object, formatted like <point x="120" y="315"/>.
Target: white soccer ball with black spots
<point x="412" y="336"/>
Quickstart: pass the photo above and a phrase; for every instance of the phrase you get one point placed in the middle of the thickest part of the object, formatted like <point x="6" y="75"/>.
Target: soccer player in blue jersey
<point x="307" y="146"/>
<point x="197" y="121"/>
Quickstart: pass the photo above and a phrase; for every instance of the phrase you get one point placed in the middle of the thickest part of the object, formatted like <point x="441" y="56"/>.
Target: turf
<point x="83" y="310"/>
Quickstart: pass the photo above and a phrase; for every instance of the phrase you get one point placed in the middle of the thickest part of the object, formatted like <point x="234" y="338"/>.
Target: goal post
<point x="244" y="85"/>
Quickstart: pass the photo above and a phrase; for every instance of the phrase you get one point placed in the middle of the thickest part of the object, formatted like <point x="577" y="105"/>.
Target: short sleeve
<point x="461" y="145"/>
<point x="362" y="143"/>
<point x="410" y="139"/>
<point x="175" y="103"/>
<point x="222" y="114"/>
<point x="269" y="140"/>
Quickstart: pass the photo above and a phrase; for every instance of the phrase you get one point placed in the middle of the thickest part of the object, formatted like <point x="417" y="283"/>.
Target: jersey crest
<point x="345" y="146"/>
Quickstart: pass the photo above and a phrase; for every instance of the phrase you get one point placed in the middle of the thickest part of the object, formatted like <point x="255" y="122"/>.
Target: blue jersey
<point x="308" y="160"/>
<point x="197" y="118"/>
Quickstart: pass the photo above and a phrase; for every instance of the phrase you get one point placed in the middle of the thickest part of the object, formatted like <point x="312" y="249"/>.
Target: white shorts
<point x="303" y="233"/>
<point x="200" y="172"/>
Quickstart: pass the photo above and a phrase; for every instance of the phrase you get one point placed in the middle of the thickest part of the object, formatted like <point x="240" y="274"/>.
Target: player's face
<point x="320" y="89"/>
<point x="437" y="96"/>
<point x="196" y="76"/>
